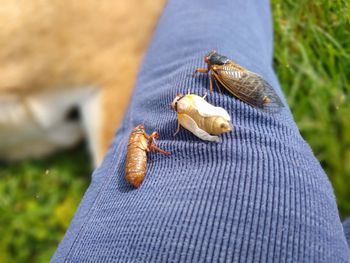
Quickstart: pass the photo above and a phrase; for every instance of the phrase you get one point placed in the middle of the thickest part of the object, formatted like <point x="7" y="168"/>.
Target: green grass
<point x="38" y="200"/>
<point x="312" y="60"/>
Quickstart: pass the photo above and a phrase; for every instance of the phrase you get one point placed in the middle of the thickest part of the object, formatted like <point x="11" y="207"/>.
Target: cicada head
<point x="207" y="58"/>
<point x="174" y="104"/>
<point x="139" y="128"/>
<point x="214" y="58"/>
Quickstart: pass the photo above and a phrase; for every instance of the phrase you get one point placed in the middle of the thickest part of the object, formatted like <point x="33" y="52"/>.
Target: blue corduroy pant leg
<point x="259" y="195"/>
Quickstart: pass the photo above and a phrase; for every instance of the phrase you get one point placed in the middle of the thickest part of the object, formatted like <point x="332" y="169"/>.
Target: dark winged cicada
<point x="240" y="82"/>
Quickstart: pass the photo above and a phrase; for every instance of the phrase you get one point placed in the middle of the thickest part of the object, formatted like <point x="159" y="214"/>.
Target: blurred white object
<point x="40" y="124"/>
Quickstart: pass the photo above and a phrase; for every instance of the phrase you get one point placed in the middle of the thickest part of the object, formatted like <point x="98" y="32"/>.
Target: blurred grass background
<point x="312" y="60"/>
<point x="38" y="200"/>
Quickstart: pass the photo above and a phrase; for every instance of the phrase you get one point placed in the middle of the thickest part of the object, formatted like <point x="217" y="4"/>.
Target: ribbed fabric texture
<point x="346" y="225"/>
<point x="258" y="196"/>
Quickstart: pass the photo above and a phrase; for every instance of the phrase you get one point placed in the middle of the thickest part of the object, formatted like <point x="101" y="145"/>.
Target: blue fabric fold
<point x="258" y="196"/>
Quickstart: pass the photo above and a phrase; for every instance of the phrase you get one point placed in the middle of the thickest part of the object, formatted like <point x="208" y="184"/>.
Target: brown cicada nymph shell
<point x="139" y="144"/>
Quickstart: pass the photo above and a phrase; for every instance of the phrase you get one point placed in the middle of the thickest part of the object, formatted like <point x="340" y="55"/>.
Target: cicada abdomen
<point x="242" y="83"/>
<point x="136" y="159"/>
<point x="201" y="118"/>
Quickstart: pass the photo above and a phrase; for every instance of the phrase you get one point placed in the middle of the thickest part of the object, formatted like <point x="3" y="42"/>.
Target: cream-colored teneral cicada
<point x="204" y="120"/>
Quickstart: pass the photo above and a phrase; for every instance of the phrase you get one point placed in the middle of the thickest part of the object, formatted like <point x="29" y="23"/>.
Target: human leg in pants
<point x="258" y="196"/>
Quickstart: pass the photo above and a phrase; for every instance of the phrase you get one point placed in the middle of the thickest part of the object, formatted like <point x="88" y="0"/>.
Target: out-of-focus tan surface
<point x="60" y="44"/>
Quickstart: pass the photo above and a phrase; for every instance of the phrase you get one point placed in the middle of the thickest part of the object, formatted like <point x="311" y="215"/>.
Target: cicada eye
<point x="206" y="59"/>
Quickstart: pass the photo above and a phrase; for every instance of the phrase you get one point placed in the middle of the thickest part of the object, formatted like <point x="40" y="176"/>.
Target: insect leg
<point x="201" y="70"/>
<point x="211" y="83"/>
<point x="151" y="139"/>
<point x="178" y="129"/>
<point x="217" y="84"/>
<point x="154" y="147"/>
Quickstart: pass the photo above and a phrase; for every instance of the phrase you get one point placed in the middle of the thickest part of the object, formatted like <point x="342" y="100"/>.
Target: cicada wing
<point x="188" y="123"/>
<point x="205" y="109"/>
<point x="248" y="86"/>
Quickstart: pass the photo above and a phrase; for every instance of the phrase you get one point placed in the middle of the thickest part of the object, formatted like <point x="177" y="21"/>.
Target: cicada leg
<point x="201" y="70"/>
<point x="211" y="83"/>
<point x="178" y="129"/>
<point x="152" y="144"/>
<point x="154" y="147"/>
<point x="151" y="139"/>
<point x="217" y="83"/>
<point x="207" y="70"/>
